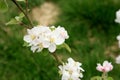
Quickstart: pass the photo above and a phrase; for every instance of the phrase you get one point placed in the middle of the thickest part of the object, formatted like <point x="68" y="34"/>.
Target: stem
<point x="26" y="6"/>
<point x="57" y="59"/>
<point x="104" y="76"/>
<point x="20" y="8"/>
<point x="23" y="24"/>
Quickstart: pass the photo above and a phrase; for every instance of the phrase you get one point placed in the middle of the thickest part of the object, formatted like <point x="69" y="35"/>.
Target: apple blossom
<point x="106" y="67"/>
<point x="71" y="70"/>
<point x="117" y="20"/>
<point x="41" y="37"/>
<point x="57" y="37"/>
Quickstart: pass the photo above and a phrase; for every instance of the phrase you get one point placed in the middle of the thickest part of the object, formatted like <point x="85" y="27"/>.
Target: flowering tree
<point x="40" y="37"/>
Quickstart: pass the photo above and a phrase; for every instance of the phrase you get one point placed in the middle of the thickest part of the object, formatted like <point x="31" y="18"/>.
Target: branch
<point x="57" y="59"/>
<point x="26" y="6"/>
<point x="20" y="8"/>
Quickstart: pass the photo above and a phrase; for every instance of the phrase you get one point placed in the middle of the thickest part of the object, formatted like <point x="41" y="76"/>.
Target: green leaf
<point x="12" y="21"/>
<point x="16" y="20"/>
<point x="96" y="78"/>
<point x="3" y="5"/>
<point x="44" y="52"/>
<point x="20" y="17"/>
<point x="26" y="44"/>
<point x="67" y="47"/>
<point x="21" y="0"/>
<point x="60" y="46"/>
<point x="109" y="78"/>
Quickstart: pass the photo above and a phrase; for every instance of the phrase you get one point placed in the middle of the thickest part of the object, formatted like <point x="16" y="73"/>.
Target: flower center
<point x="33" y="37"/>
<point x="40" y="45"/>
<point x="52" y="40"/>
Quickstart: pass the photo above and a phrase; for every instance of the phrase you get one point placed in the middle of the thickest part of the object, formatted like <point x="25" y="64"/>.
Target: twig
<point x="22" y="23"/>
<point x="20" y="8"/>
<point x="26" y="6"/>
<point x="57" y="59"/>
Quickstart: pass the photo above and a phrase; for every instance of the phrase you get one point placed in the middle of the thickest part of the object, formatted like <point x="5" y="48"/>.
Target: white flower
<point x="71" y="70"/>
<point x="117" y="20"/>
<point x="118" y="38"/>
<point x="57" y="37"/>
<point x="60" y="34"/>
<point x="37" y="37"/>
<point x="118" y="59"/>
<point x="41" y="37"/>
<point x="106" y="67"/>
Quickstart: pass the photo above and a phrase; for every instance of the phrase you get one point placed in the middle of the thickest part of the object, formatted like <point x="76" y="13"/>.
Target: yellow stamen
<point x="52" y="39"/>
<point x="33" y="37"/>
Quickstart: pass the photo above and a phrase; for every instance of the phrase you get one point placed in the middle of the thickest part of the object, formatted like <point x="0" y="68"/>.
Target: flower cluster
<point x="71" y="70"/>
<point x="107" y="66"/>
<point x="41" y="37"/>
<point x="117" y="20"/>
<point x="118" y="37"/>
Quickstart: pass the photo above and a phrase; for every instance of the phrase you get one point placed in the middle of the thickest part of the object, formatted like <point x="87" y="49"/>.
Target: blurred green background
<point x="92" y="31"/>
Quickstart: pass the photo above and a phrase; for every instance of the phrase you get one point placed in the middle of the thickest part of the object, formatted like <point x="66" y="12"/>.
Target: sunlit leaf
<point x="26" y="44"/>
<point x="3" y="5"/>
<point x="109" y="78"/>
<point x="96" y="78"/>
<point x="20" y="17"/>
<point x="21" y="0"/>
<point x="67" y="47"/>
<point x="12" y="21"/>
<point x="16" y="20"/>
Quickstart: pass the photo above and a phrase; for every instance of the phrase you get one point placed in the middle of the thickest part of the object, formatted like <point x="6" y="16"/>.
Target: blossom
<point x="57" y="37"/>
<point x="71" y="70"/>
<point x="40" y="37"/>
<point x="36" y="37"/>
<point x="118" y="59"/>
<point x="106" y="67"/>
<point x="118" y="38"/>
<point x="117" y="20"/>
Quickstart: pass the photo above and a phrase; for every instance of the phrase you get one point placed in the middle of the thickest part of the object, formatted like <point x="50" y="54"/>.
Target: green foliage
<point x="21" y="0"/>
<point x="16" y="20"/>
<point x="66" y="46"/>
<point x="25" y="44"/>
<point x="100" y="78"/>
<point x="110" y="78"/>
<point x="3" y="6"/>
<point x="96" y="78"/>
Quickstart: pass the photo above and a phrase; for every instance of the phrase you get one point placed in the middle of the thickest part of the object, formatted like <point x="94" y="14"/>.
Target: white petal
<point x="118" y="37"/>
<point x="40" y="49"/>
<point x="46" y="44"/>
<point x="29" y="31"/>
<point x="65" y="75"/>
<point x="33" y="48"/>
<point x="27" y="38"/>
<point x="52" y="48"/>
<point x="118" y="59"/>
<point x="117" y="20"/>
<point x="59" y="41"/>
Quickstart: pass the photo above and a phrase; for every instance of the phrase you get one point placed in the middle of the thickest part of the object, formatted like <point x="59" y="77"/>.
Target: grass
<point x="92" y="31"/>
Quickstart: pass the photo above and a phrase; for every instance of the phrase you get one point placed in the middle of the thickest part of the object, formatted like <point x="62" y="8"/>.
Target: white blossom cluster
<point x="118" y="57"/>
<point x="71" y="70"/>
<point x="40" y="37"/>
<point x="117" y="20"/>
